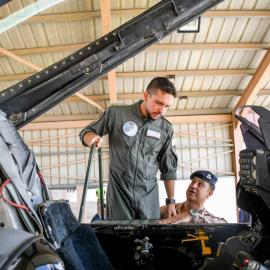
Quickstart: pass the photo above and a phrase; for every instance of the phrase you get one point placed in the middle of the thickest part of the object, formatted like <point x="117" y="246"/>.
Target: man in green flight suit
<point x="140" y="141"/>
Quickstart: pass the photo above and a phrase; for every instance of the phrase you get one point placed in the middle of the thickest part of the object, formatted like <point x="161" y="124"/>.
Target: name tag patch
<point x="153" y="134"/>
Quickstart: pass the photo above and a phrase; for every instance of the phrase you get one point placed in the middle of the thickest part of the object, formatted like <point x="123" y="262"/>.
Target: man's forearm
<point x="169" y="187"/>
<point x="170" y="202"/>
<point x="178" y="218"/>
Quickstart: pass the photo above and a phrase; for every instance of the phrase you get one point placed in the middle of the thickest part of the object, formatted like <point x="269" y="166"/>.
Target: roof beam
<point x="131" y="74"/>
<point x="36" y="68"/>
<point x="263" y="92"/>
<point x="19" y="59"/>
<point x="210" y="46"/>
<point x="257" y="82"/>
<point x="237" y="13"/>
<point x="221" y="118"/>
<point x="236" y="136"/>
<point x="180" y="94"/>
<point x="200" y="72"/>
<point x="106" y="27"/>
<point x="86" y="15"/>
<point x="171" y="113"/>
<point x="176" y="46"/>
<point x="89" y="101"/>
<point x="197" y="112"/>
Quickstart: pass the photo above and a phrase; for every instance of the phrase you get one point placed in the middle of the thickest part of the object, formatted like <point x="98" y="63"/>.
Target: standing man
<point x="140" y="141"/>
<point x="192" y="210"/>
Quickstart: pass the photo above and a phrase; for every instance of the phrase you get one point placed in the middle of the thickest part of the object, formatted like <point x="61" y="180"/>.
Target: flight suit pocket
<point x="151" y="184"/>
<point x="152" y="145"/>
<point x="147" y="183"/>
<point x="151" y="148"/>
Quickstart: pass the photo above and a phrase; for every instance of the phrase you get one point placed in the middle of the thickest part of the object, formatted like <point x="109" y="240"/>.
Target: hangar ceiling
<point x="223" y="66"/>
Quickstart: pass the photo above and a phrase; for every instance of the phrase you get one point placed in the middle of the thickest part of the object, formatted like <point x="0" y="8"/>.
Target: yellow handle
<point x="202" y="237"/>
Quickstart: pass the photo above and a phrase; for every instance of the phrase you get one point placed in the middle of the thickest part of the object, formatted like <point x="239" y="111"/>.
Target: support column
<point x="238" y="142"/>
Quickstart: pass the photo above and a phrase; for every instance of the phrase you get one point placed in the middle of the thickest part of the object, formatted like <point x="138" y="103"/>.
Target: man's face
<point x="157" y="104"/>
<point x="198" y="191"/>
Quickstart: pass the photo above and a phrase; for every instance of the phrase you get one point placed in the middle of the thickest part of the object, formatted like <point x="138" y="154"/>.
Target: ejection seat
<point x="253" y="189"/>
<point x="76" y="243"/>
<point x="25" y="204"/>
<point x="250" y="249"/>
<point x="22" y="186"/>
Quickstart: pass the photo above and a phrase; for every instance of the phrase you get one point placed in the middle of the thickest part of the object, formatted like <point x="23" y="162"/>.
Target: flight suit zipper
<point x="136" y="168"/>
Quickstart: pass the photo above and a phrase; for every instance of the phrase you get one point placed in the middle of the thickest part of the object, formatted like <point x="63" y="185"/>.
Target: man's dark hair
<point x="162" y="83"/>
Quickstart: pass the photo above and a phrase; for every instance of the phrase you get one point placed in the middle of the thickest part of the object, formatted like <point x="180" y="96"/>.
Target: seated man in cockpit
<point x="192" y="210"/>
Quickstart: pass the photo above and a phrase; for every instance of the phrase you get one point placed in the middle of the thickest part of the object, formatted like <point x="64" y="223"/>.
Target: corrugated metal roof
<point x="212" y="68"/>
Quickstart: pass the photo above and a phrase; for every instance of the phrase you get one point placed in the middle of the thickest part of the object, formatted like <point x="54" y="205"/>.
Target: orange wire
<point x="6" y="182"/>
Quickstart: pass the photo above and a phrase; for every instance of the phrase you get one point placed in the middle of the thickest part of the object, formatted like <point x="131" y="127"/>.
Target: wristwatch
<point x="193" y="212"/>
<point x="169" y="201"/>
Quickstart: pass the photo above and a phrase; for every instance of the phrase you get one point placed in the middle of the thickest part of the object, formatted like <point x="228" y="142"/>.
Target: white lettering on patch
<point x="153" y="133"/>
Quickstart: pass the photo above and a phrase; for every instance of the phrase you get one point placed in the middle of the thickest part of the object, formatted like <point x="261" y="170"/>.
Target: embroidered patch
<point x="130" y="128"/>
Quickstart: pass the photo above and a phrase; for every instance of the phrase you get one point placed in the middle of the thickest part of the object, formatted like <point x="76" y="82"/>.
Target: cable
<point x="2" y="187"/>
<point x="41" y="177"/>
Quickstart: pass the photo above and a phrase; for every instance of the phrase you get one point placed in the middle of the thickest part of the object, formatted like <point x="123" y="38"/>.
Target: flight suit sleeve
<point x="101" y="126"/>
<point x="168" y="159"/>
